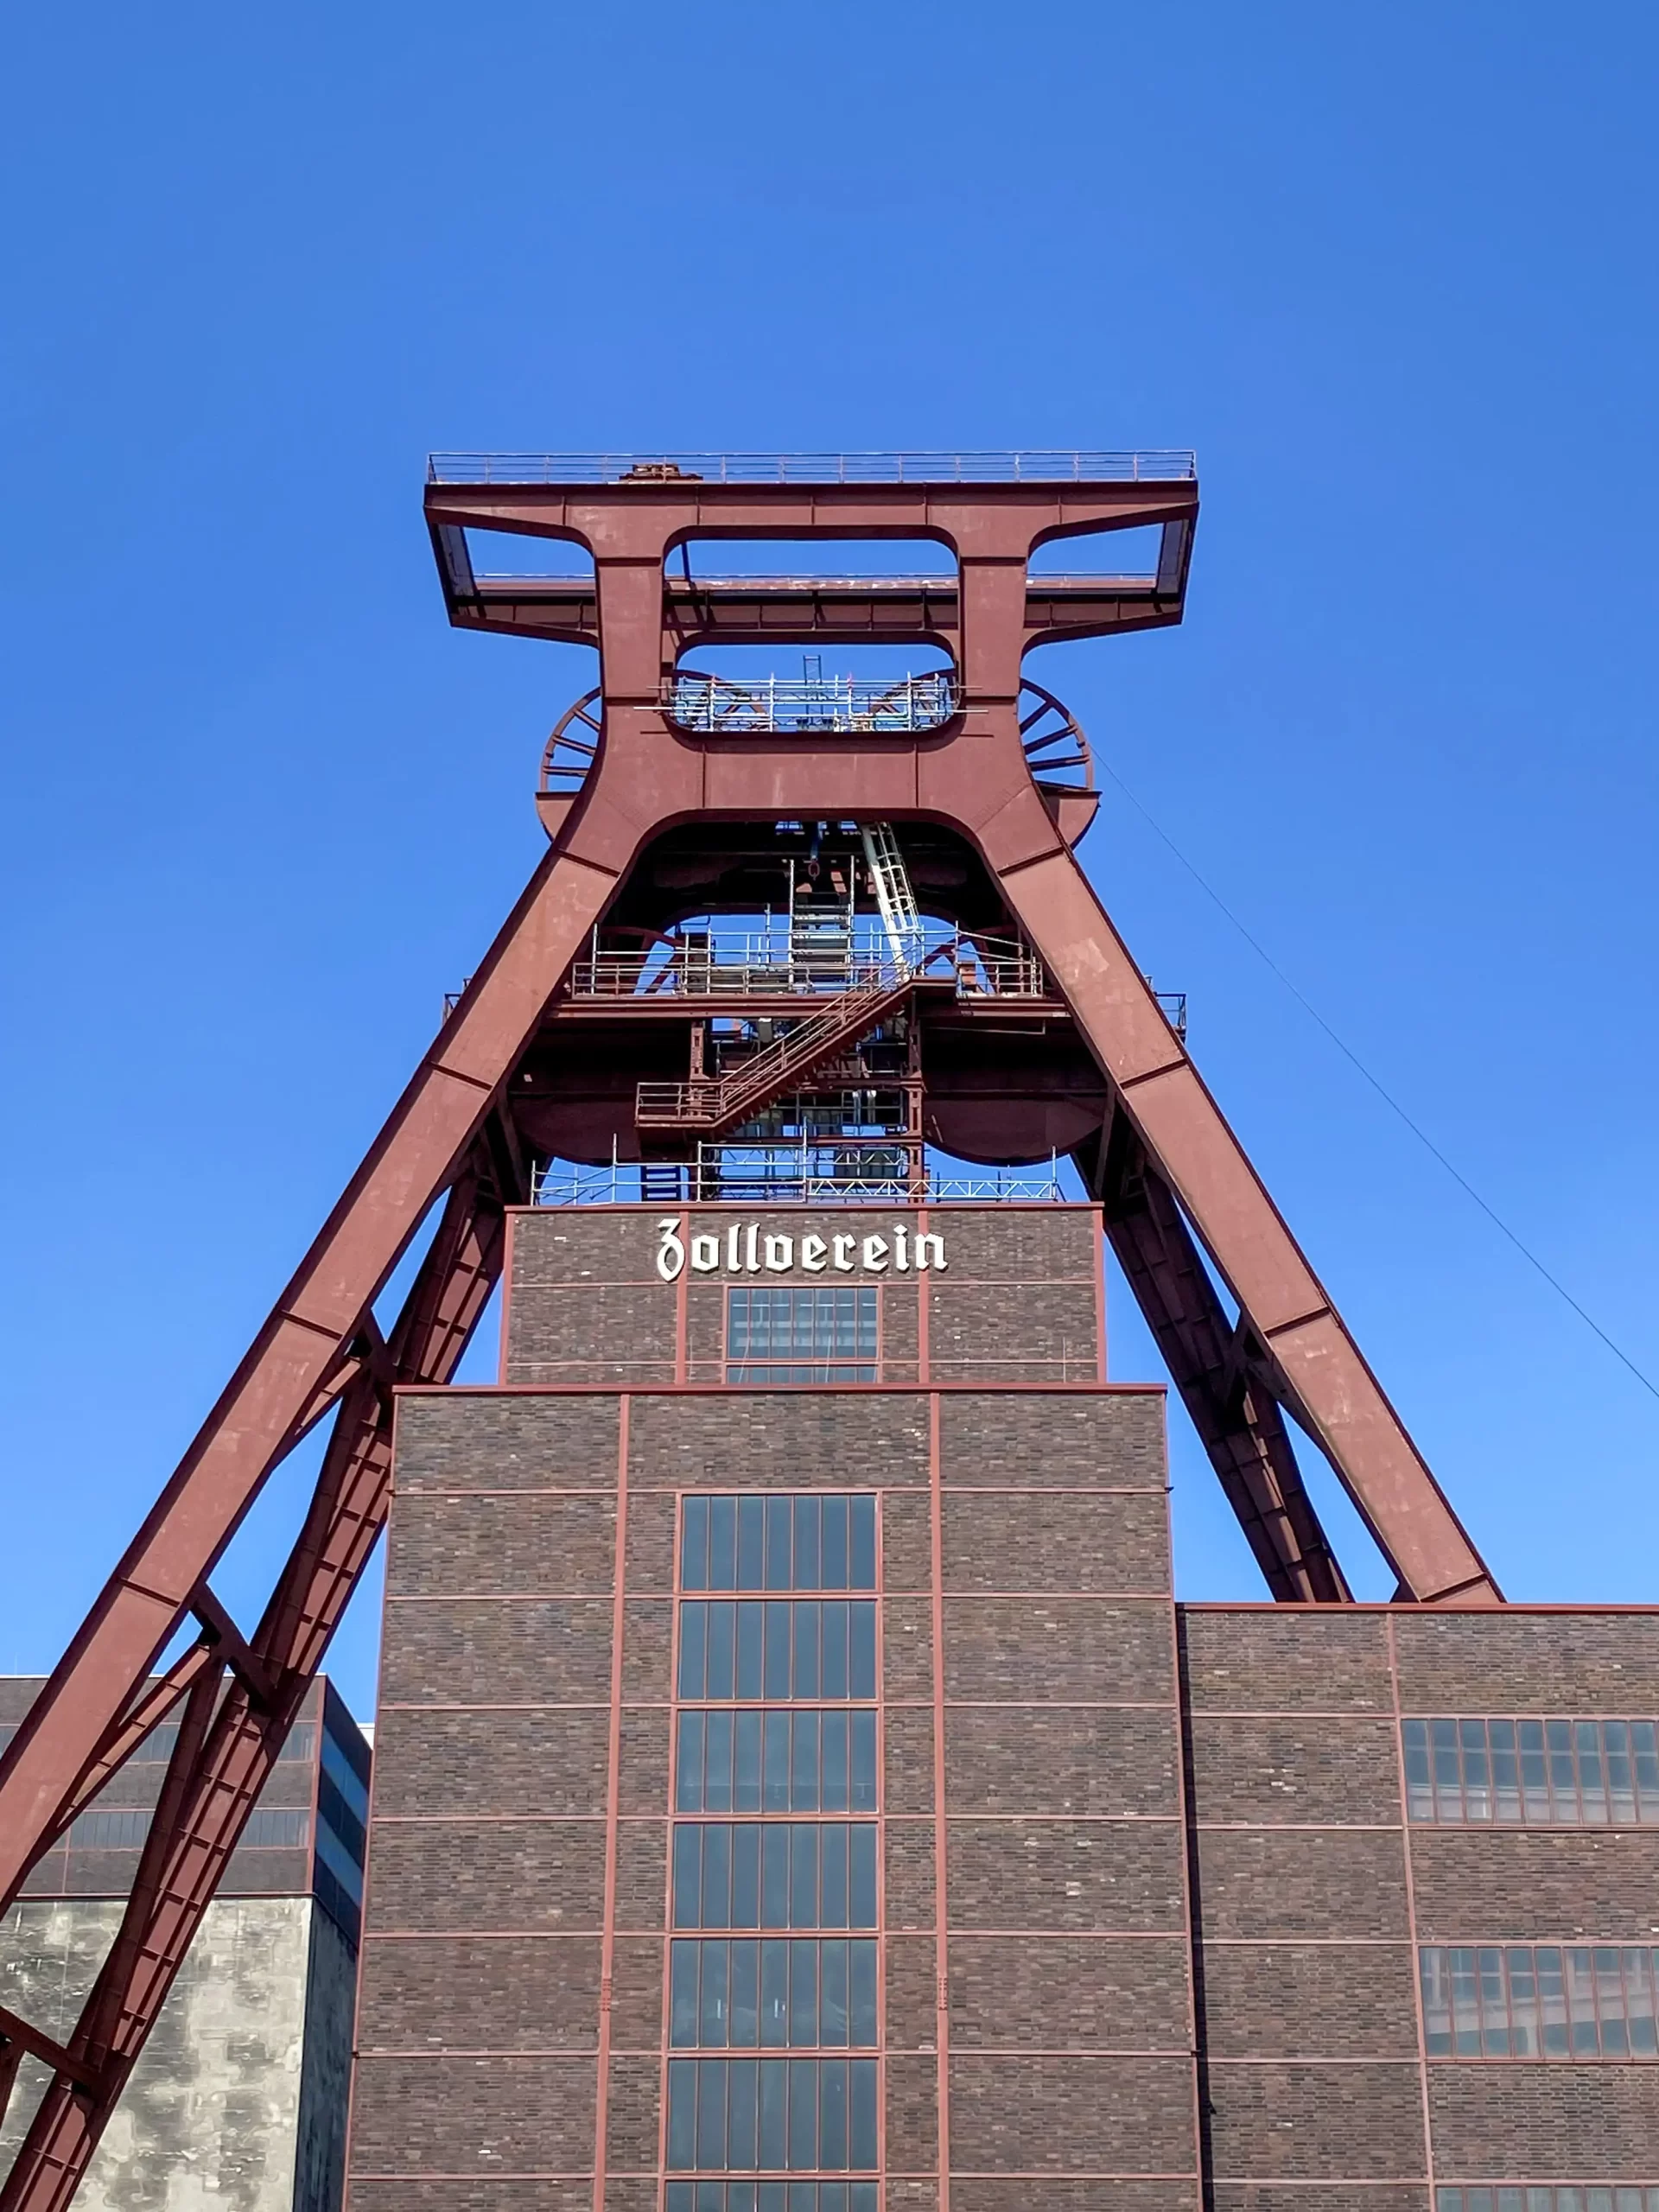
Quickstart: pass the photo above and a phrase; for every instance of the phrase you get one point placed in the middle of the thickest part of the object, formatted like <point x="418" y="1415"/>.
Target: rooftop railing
<point x="1159" y="465"/>
<point x="833" y="705"/>
<point x="769" y="965"/>
<point x="560" y="1184"/>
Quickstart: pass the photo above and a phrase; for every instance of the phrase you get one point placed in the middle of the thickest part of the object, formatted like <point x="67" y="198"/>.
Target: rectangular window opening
<point x="816" y="1334"/>
<point x="1531" y="1773"/>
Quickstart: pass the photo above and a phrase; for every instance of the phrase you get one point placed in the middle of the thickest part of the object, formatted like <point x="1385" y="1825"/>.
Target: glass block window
<point x="1542" y="1773"/>
<point x="791" y="2116"/>
<point x="1547" y="2197"/>
<point x="777" y="1543"/>
<point x="776" y="1993"/>
<point x="754" y="1761"/>
<point x="770" y="2197"/>
<point x="796" y="1874"/>
<point x="778" y="1647"/>
<point x="813" y="1335"/>
<point x="1562" y="2001"/>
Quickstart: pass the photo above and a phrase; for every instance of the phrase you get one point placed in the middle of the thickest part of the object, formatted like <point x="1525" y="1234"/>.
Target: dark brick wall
<point x="1313" y="1894"/>
<point x="1019" y="1298"/>
<point x="1065" y="1901"/>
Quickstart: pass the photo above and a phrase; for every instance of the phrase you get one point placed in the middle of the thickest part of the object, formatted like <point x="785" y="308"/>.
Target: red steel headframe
<point x="1167" y="1168"/>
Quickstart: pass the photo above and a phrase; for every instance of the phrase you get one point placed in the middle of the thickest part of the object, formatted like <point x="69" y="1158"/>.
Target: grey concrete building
<point x="238" y="2102"/>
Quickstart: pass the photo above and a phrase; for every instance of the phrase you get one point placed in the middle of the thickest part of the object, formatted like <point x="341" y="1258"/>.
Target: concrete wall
<point x="241" y="2087"/>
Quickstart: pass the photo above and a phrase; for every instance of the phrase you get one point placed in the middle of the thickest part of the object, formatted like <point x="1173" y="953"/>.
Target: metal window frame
<point x="878" y="1820"/>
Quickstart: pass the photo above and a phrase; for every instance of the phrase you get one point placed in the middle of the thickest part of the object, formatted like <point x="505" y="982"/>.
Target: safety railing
<point x="764" y="966"/>
<point x="1035" y="466"/>
<point x="836" y="705"/>
<point x="625" y="1183"/>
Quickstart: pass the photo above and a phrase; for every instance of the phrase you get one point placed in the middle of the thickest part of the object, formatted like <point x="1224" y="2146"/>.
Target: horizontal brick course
<point x="913" y="2022"/>
<point x="1071" y="2113"/>
<point x="1045" y="1439"/>
<point x="1593" y="2122"/>
<point x="1301" y="2122"/>
<point x="1064" y="1875"/>
<point x="440" y="1875"/>
<point x="1312" y="2001"/>
<point x="447" y="2115"/>
<point x="1024" y="1650"/>
<point x="1042" y="1543"/>
<point x="1058" y="1759"/>
<point x="1260" y="1884"/>
<point x="779" y="1440"/>
<point x="1483" y="1885"/>
<point x="532" y="1545"/>
<point x="434" y="1763"/>
<point x="1339" y="1772"/>
<point x="525" y="1992"/>
<point x="1069" y="1993"/>
<point x="1286" y="1662"/>
<point x="912" y="2114"/>
<point x="467" y="1441"/>
<point x="1566" y="1662"/>
<point x="496" y="1653"/>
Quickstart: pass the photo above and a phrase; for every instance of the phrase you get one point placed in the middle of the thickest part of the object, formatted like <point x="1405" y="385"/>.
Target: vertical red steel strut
<point x="1171" y="1174"/>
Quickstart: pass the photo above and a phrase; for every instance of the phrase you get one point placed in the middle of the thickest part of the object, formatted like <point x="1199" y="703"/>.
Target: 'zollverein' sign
<point x="746" y="1249"/>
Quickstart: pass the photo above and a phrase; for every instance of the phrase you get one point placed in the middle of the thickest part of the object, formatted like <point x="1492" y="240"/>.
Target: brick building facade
<point x="796" y="1789"/>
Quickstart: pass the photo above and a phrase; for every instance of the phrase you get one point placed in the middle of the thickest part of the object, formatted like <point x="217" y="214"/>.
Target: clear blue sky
<point x="1390" y="270"/>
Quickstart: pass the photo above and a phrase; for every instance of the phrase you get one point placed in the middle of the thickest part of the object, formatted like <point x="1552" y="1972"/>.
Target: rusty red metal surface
<point x="649" y="822"/>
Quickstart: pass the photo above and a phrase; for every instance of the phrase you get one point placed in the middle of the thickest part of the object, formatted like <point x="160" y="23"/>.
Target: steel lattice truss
<point x="1179" y="1197"/>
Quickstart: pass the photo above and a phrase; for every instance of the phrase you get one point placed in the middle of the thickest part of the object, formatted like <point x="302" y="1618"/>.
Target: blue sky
<point x="1389" y="270"/>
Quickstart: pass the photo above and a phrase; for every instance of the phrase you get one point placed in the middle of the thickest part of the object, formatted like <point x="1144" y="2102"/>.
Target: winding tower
<point x="812" y="942"/>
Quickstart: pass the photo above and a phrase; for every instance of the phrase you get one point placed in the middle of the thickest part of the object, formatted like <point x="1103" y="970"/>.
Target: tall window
<point x="819" y="1334"/>
<point x="1534" y="1773"/>
<point x="774" y="2028"/>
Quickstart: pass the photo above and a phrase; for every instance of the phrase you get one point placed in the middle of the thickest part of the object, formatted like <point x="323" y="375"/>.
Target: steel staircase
<point x="712" y="1104"/>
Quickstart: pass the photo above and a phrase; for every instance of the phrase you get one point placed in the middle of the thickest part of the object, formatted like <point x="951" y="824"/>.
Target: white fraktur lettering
<point x="670" y="1253"/>
<point x="745" y="1251"/>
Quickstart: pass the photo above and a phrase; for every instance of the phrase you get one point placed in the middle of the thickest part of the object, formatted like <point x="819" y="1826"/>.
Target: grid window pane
<point x="781" y="2196"/>
<point x="1578" y="2001"/>
<point x="820" y="1334"/>
<point x="1534" y="2196"/>
<point x="785" y="2114"/>
<point x="774" y="1992"/>
<point x="804" y="1762"/>
<point x="803" y="1542"/>
<point x="1554" y="1773"/>
<point x="812" y="1875"/>
<point x="776" y="1650"/>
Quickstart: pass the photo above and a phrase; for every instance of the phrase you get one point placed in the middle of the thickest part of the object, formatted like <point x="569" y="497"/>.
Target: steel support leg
<point x="1238" y="1422"/>
<point x="227" y="1745"/>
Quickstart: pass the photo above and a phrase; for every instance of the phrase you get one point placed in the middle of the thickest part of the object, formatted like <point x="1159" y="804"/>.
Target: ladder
<point x="894" y="898"/>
